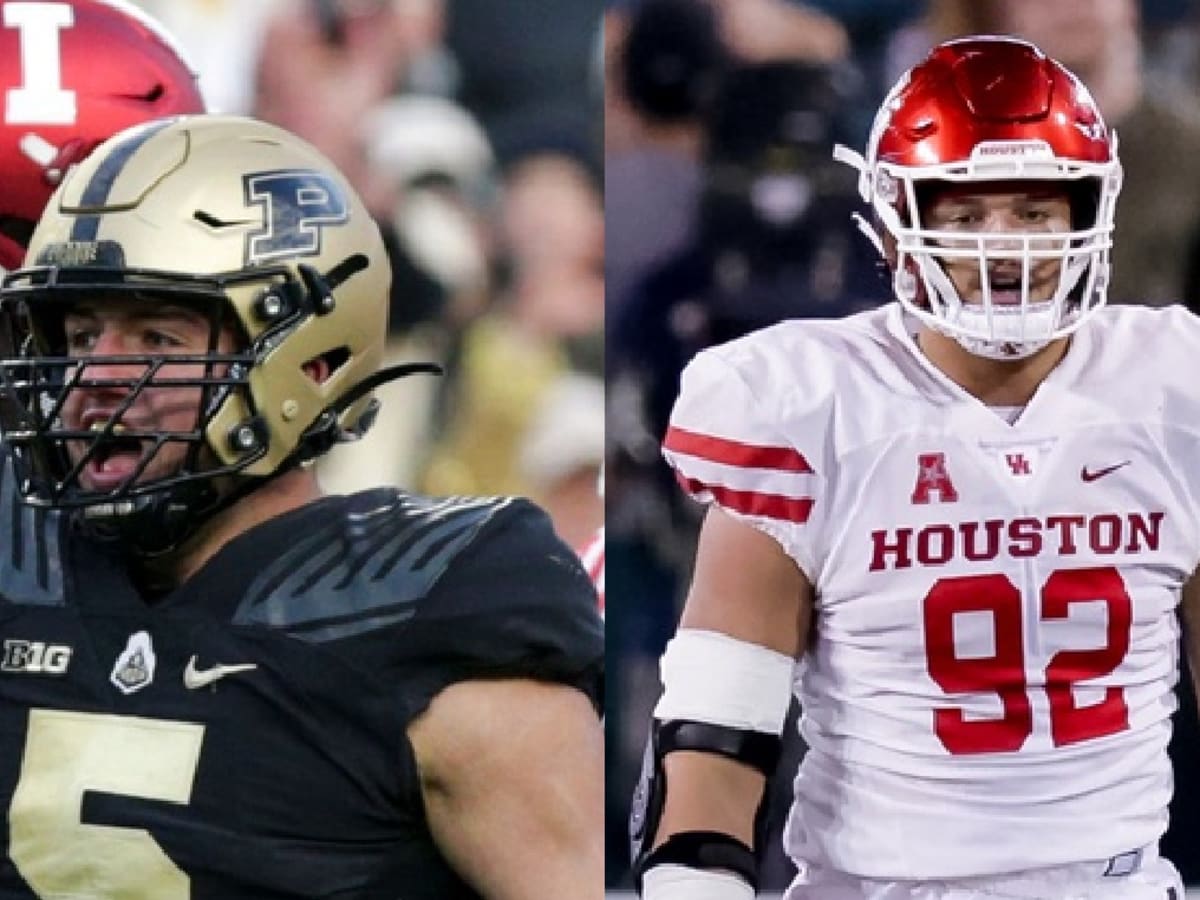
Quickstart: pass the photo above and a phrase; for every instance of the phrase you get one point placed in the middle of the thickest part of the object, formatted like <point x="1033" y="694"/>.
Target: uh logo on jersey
<point x="296" y="204"/>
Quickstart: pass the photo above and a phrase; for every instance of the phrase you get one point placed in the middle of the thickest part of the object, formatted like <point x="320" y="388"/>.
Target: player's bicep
<point x="745" y="585"/>
<point x="512" y="775"/>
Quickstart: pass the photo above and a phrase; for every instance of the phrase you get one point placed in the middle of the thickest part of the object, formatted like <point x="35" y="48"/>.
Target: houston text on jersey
<point x="1105" y="534"/>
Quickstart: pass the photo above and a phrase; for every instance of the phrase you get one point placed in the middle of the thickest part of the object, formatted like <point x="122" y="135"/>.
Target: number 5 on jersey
<point x="68" y="754"/>
<point x="1003" y="672"/>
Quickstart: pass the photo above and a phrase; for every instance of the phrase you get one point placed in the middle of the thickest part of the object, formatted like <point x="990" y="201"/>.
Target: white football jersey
<point x="991" y="682"/>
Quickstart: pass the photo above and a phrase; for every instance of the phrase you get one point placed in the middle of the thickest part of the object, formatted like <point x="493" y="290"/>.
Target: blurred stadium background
<point x="725" y="213"/>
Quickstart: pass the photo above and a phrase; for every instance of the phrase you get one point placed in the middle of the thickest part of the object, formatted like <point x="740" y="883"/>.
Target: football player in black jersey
<point x="227" y="685"/>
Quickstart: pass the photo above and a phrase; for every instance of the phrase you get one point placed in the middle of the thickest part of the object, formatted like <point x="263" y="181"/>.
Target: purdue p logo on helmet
<point x="241" y="219"/>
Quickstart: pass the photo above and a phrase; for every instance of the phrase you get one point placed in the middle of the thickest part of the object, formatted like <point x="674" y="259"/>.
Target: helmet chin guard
<point x="992" y="112"/>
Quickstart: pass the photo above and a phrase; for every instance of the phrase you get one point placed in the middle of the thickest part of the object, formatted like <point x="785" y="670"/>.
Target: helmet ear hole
<point x="321" y="367"/>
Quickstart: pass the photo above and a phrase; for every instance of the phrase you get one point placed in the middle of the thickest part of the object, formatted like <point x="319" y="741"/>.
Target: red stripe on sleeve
<point x="735" y="453"/>
<point x="752" y="503"/>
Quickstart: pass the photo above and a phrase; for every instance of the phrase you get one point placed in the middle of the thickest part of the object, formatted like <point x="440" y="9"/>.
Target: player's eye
<point x="81" y="340"/>
<point x="961" y="218"/>
<point x="156" y="339"/>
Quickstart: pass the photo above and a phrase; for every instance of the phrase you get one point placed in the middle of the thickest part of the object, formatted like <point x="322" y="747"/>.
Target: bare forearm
<point x="513" y="775"/>
<point x="710" y="793"/>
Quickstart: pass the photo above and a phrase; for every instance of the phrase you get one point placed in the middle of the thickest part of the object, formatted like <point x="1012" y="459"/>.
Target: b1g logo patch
<point x="35" y="657"/>
<point x="296" y="205"/>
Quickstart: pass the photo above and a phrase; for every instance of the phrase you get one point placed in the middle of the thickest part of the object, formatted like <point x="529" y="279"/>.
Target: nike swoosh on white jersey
<point x="194" y="678"/>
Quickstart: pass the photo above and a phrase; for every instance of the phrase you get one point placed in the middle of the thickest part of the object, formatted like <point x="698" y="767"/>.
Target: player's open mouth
<point x="1005" y="290"/>
<point x="114" y="458"/>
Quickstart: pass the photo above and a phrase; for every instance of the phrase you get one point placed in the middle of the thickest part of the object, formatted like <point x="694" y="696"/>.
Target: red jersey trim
<point x="752" y="503"/>
<point x="735" y="453"/>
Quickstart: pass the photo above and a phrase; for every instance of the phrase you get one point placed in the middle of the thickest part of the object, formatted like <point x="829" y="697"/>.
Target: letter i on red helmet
<point x="72" y="74"/>
<point x="987" y="110"/>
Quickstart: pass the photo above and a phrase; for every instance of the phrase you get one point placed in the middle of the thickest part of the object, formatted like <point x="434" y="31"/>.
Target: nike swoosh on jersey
<point x="194" y="678"/>
<point x="1100" y="473"/>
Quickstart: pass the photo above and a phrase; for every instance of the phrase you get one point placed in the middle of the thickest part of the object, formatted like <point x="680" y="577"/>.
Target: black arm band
<point x="702" y="850"/>
<point x="754" y="748"/>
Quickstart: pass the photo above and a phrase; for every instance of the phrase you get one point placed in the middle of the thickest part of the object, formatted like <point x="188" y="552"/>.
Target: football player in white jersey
<point x="959" y="527"/>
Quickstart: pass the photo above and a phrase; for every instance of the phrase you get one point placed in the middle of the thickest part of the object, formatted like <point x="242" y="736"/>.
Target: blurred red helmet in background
<point x="74" y="73"/>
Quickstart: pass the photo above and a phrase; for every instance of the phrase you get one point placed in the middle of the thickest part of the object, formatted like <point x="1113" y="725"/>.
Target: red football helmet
<point x="73" y="74"/>
<point x="991" y="109"/>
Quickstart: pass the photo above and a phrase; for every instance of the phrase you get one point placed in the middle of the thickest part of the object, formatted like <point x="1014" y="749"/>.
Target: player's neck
<point x="289" y="491"/>
<point x="994" y="382"/>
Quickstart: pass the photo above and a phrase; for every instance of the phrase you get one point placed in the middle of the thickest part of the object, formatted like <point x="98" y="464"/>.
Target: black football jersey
<point x="245" y="736"/>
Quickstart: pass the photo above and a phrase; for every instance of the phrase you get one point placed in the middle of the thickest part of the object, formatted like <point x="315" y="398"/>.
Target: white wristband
<point x="711" y="677"/>
<point x="669" y="882"/>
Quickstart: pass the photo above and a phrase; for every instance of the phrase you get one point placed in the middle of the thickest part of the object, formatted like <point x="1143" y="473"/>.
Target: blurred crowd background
<point x="473" y="130"/>
<point x="725" y="212"/>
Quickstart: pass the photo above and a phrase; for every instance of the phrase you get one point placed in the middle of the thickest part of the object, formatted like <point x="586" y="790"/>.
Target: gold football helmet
<point x="246" y="223"/>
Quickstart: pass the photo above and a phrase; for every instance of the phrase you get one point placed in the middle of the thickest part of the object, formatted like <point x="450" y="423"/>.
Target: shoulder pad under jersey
<point x="437" y="591"/>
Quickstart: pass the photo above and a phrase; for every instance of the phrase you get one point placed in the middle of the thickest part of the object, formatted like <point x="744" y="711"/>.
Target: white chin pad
<point x="1011" y="335"/>
<point x="711" y="677"/>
